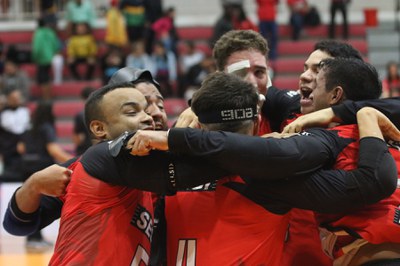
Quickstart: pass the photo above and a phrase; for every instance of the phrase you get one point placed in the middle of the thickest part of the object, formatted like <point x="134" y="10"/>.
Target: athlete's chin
<point x="307" y="109"/>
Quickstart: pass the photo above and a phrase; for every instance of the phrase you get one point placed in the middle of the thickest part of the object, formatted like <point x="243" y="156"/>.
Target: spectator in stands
<point x="14" y="121"/>
<point x="240" y="20"/>
<point x="134" y="13"/>
<point x="195" y="76"/>
<point x="39" y="148"/>
<point x="391" y="83"/>
<point x="189" y="57"/>
<point x="48" y="12"/>
<point x="165" y="30"/>
<point x="45" y="45"/>
<point x="165" y="69"/>
<point x="82" y="48"/>
<point x="81" y="136"/>
<point x="266" y="12"/>
<point x="340" y="5"/>
<point x="138" y="58"/>
<point x="154" y="11"/>
<point x="18" y="55"/>
<point x="14" y="78"/>
<point x="223" y="24"/>
<point x="79" y="11"/>
<point x="298" y="9"/>
<point x="116" y="34"/>
<point x="111" y="62"/>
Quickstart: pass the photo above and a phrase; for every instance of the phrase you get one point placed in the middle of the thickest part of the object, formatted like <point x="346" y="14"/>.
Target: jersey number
<point x="186" y="252"/>
<point x="141" y="255"/>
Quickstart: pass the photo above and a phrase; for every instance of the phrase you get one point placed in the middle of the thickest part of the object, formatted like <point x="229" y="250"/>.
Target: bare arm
<point x="372" y="123"/>
<point x="50" y="181"/>
<point x="321" y="118"/>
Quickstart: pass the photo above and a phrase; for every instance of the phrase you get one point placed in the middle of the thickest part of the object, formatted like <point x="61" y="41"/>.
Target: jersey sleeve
<point x="260" y="158"/>
<point x="279" y="105"/>
<point x="388" y="106"/>
<point x="19" y="223"/>
<point x="159" y="172"/>
<point x="334" y="191"/>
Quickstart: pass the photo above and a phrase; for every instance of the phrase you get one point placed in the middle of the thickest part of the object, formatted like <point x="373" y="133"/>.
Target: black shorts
<point x="43" y="74"/>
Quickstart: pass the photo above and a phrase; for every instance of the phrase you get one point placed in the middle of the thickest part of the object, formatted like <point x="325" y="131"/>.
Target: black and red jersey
<point x="103" y="224"/>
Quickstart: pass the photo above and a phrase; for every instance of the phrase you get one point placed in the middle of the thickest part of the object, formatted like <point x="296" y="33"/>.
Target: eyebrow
<point x="157" y="96"/>
<point x="133" y="104"/>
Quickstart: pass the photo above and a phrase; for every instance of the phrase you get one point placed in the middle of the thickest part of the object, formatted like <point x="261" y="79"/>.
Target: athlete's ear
<point x="98" y="129"/>
<point x="337" y="96"/>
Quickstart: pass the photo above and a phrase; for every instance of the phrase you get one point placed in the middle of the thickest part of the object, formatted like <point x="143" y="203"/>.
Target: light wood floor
<point x="13" y="253"/>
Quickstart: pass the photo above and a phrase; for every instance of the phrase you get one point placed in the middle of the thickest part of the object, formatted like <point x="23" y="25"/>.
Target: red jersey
<point x="265" y="126"/>
<point x="266" y="10"/>
<point x="103" y="224"/>
<point x="377" y="223"/>
<point x="222" y="227"/>
<point x="303" y="246"/>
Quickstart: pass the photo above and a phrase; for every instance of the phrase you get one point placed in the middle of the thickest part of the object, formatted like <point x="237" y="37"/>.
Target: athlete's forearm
<point x="159" y="172"/>
<point x="336" y="191"/>
<point x="17" y="222"/>
<point x="27" y="197"/>
<point x="253" y="156"/>
<point x="348" y="110"/>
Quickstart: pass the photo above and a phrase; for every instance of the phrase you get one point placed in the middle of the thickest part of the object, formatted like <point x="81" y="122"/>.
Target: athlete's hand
<point x="187" y="119"/>
<point x="321" y="118"/>
<point x="372" y="122"/>
<point x="145" y="140"/>
<point x="51" y="181"/>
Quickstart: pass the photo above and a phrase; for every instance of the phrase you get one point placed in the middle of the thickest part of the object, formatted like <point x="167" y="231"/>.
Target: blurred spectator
<point x="165" y="69"/>
<point x="79" y="11"/>
<point x="165" y="30"/>
<point x="39" y="148"/>
<point x="48" y="12"/>
<point x="298" y="9"/>
<point x="139" y="59"/>
<point x="195" y="76"/>
<point x="135" y="17"/>
<point x="115" y="26"/>
<point x="391" y="83"/>
<point x="111" y="62"/>
<point x="339" y="5"/>
<point x="45" y="45"/>
<point x="14" y="121"/>
<point x="240" y="20"/>
<point x="189" y="57"/>
<point x="17" y="55"/>
<point x="268" y="28"/>
<point x="223" y="24"/>
<point x="82" y="48"/>
<point x="14" y="78"/>
<point x="81" y="136"/>
<point x="154" y="11"/>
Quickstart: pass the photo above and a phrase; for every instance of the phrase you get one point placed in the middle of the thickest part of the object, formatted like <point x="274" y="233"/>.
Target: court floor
<point x="13" y="253"/>
<point x="12" y="248"/>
